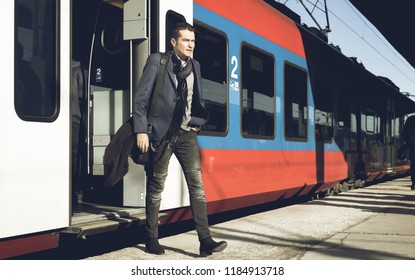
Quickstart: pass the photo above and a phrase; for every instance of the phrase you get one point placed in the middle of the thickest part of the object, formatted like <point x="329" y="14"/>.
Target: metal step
<point x="90" y="219"/>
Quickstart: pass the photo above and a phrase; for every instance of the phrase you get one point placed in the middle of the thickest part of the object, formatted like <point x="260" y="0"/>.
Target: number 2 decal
<point x="234" y="62"/>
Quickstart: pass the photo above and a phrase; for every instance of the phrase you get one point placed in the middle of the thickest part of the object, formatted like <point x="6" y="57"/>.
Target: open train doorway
<point x="100" y="85"/>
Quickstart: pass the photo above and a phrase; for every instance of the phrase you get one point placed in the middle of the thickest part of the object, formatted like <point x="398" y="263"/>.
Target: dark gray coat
<point x="164" y="111"/>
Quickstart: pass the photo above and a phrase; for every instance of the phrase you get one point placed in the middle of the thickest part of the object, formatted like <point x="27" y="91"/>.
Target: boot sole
<point x="220" y="248"/>
<point x="156" y="252"/>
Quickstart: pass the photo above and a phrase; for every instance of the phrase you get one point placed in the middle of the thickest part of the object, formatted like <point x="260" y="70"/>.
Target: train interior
<point x="100" y="60"/>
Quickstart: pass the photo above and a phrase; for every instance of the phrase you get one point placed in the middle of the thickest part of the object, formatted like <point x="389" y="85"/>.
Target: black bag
<point x="403" y="152"/>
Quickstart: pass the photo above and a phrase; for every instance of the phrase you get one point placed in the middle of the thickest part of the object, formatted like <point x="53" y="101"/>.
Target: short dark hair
<point x="179" y="27"/>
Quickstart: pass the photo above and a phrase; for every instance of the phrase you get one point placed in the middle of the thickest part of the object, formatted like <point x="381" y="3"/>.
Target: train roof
<point x="394" y="20"/>
<point x="328" y="60"/>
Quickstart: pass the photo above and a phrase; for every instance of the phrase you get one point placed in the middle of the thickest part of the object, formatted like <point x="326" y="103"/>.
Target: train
<point x="290" y="114"/>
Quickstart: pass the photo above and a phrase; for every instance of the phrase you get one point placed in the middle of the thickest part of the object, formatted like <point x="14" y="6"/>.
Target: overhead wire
<point x="362" y="37"/>
<point x="382" y="39"/>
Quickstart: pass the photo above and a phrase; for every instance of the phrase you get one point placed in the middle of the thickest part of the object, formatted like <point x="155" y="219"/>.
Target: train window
<point x="110" y="55"/>
<point x="323" y="114"/>
<point x="396" y="126"/>
<point x="36" y="85"/>
<point x="295" y="106"/>
<point x="258" y="94"/>
<point x="211" y="52"/>
<point x="344" y="115"/>
<point x="370" y="122"/>
<point x="353" y="123"/>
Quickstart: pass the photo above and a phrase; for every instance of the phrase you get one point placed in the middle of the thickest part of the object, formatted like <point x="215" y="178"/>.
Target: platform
<point x="372" y="223"/>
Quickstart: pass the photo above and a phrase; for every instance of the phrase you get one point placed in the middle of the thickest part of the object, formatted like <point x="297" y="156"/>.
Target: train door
<point x="98" y="43"/>
<point x="34" y="113"/>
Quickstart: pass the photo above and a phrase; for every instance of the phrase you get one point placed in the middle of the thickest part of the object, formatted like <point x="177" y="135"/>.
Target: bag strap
<point x="163" y="63"/>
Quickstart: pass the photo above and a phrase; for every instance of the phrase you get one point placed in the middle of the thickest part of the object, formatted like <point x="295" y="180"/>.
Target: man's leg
<point x="156" y="177"/>
<point x="187" y="152"/>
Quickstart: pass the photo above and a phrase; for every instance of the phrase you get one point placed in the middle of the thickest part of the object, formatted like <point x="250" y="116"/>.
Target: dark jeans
<point x="184" y="145"/>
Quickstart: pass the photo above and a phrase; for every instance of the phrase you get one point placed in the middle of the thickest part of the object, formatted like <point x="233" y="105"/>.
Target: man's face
<point x="184" y="45"/>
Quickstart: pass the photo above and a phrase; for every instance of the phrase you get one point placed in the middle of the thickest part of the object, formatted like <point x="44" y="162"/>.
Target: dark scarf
<point x="181" y="74"/>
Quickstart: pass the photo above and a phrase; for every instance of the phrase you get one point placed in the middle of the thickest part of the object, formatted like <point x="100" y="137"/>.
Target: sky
<point x="357" y="37"/>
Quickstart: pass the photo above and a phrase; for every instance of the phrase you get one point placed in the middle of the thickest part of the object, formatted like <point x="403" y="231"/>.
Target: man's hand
<point x="142" y="142"/>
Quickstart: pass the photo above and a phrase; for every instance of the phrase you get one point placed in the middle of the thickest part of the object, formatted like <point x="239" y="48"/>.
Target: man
<point x="177" y="119"/>
<point x="409" y="138"/>
<point x="78" y="100"/>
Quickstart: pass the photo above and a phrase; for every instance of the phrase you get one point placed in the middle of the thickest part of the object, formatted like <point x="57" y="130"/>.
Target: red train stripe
<point x="236" y="173"/>
<point x="29" y="244"/>
<point x="260" y="18"/>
